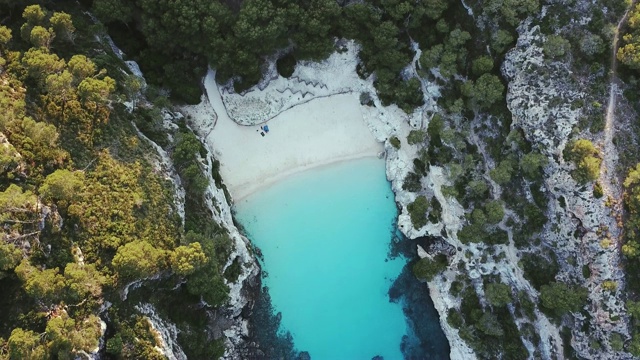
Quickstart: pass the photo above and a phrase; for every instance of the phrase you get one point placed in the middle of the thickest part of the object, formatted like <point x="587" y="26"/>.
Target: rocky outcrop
<point x="541" y="96"/>
<point x="242" y="291"/>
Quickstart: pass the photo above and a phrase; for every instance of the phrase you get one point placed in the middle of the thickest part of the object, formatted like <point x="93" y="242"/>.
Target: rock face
<point x="540" y="96"/>
<point x="242" y="291"/>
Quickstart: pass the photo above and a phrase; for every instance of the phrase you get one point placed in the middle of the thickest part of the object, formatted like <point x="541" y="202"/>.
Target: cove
<point x="324" y="236"/>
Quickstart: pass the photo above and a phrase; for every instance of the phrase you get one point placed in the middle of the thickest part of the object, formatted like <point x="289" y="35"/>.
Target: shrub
<point x="418" y="212"/>
<point x="416" y="137"/>
<point x="412" y="182"/>
<point x="286" y="65"/>
<point x="616" y="342"/>
<point x="556" y="46"/>
<point x="426" y="268"/>
<point x="498" y="294"/>
<point x="454" y="319"/>
<point x="395" y="142"/>
<point x="494" y="211"/>
<point x="597" y="190"/>
<point x="561" y="298"/>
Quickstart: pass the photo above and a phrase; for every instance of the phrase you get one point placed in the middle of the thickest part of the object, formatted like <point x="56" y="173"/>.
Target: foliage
<point x="426" y="268"/>
<point x="498" y="294"/>
<point x="138" y="259"/>
<point x="561" y="298"/>
<point x="587" y="160"/>
<point x="481" y="65"/>
<point x="556" y="46"/>
<point x="416" y="137"/>
<point x="629" y="54"/>
<point x="494" y="211"/>
<point x="395" y="142"/>
<point x="532" y="164"/>
<point x="503" y="172"/>
<point x="81" y="202"/>
<point x="418" y="211"/>
<point x="185" y="260"/>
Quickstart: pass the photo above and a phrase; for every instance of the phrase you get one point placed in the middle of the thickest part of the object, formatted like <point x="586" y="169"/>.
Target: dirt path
<point x="608" y="179"/>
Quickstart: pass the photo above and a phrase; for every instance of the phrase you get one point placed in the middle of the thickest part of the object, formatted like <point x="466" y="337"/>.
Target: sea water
<point x="325" y="236"/>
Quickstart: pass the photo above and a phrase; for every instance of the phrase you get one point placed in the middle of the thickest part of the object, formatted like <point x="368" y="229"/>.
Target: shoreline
<point x="317" y="133"/>
<point x="244" y="191"/>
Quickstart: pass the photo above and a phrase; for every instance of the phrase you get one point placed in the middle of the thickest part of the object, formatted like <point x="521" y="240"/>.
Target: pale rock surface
<point x="533" y="99"/>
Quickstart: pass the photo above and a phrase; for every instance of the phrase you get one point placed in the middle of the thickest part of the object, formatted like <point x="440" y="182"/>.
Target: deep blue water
<point x="325" y="236"/>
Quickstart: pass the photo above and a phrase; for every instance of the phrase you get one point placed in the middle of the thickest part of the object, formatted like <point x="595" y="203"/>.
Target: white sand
<point x="320" y="132"/>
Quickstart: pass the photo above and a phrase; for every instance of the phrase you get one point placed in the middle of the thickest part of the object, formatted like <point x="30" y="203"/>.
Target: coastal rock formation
<point x="579" y="220"/>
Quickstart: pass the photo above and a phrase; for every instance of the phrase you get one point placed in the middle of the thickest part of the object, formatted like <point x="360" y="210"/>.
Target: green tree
<point x="34" y="14"/>
<point x="532" y="164"/>
<point x="556" y="46"/>
<point x="503" y="172"/>
<point x="591" y="45"/>
<point x="83" y="281"/>
<point x="426" y="268"/>
<point x="418" y="212"/>
<point x="67" y="337"/>
<point x="501" y="40"/>
<point x="43" y="285"/>
<point x="40" y="64"/>
<point x="25" y="344"/>
<point x="41" y="37"/>
<point x="481" y="65"/>
<point x="485" y="91"/>
<point x="562" y="298"/>
<point x="416" y="137"/>
<point x="138" y="259"/>
<point x="10" y="257"/>
<point x="587" y="160"/>
<point x="185" y="260"/>
<point x="63" y="26"/>
<point x="62" y="185"/>
<point x="490" y="325"/>
<point x="498" y="294"/>
<point x="81" y="67"/>
<point x="494" y="211"/>
<point x="5" y="37"/>
<point x="113" y="10"/>
<point x="478" y="189"/>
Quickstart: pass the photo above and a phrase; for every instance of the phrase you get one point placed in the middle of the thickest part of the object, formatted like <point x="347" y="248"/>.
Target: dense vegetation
<point x="175" y="41"/>
<point x="84" y="213"/>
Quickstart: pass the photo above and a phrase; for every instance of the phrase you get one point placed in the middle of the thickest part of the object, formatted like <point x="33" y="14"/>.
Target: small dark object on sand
<point x="261" y="133"/>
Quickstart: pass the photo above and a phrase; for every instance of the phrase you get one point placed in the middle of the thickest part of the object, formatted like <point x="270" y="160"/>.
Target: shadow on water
<point x="425" y="340"/>
<point x="272" y="342"/>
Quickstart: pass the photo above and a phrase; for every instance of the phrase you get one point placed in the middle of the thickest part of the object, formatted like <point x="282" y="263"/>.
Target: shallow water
<point x="325" y="237"/>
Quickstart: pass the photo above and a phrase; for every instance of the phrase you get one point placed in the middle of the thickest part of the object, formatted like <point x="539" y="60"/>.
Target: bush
<point x="556" y="46"/>
<point x="587" y="160"/>
<point x="597" y="190"/>
<point x="616" y="342"/>
<point x="454" y="319"/>
<point x="395" y="142"/>
<point x="416" y="137"/>
<point x="498" y="294"/>
<point x="418" y="212"/>
<point x="494" y="211"/>
<point x="561" y="298"/>
<point x="286" y="65"/>
<point x="412" y="182"/>
<point x="425" y="269"/>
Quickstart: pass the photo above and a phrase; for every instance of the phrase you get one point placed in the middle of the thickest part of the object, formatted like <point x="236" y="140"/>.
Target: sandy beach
<point x="316" y="133"/>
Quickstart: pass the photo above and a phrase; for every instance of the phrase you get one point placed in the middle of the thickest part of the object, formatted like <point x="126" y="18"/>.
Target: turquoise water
<point x="325" y="236"/>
